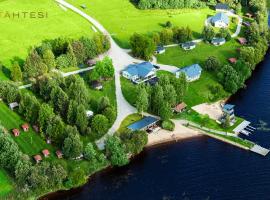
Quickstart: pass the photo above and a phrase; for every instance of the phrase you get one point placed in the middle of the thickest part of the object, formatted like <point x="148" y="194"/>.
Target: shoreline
<point x="179" y="133"/>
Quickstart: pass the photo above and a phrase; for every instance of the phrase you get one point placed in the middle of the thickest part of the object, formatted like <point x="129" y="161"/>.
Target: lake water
<point x="200" y="168"/>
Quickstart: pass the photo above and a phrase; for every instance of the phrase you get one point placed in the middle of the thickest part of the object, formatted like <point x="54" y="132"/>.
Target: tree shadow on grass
<point x="196" y="35"/>
<point x="6" y="71"/>
<point x="17" y="59"/>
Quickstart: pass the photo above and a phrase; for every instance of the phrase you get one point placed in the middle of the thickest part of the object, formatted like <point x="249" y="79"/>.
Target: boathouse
<point x="144" y="124"/>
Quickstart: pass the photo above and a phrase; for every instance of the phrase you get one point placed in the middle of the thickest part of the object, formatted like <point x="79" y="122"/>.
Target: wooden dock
<point x="241" y="127"/>
<point x="259" y="150"/>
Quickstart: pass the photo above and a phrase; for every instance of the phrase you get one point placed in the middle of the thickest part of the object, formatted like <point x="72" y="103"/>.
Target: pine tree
<point x="142" y="101"/>
<point x="71" y="56"/>
<point x="49" y="59"/>
<point x="16" y="73"/>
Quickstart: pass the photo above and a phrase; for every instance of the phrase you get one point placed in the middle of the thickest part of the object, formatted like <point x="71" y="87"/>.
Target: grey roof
<point x="218" y="40"/>
<point x="188" y="44"/>
<point x="143" y="123"/>
<point x="191" y="71"/>
<point x="160" y="48"/>
<point x="140" y="70"/>
<point x="222" y="6"/>
<point x="228" y="107"/>
<point x="220" y="17"/>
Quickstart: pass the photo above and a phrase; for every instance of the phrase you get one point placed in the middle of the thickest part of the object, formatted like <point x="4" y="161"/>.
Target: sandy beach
<point x="180" y="132"/>
<point x="213" y="110"/>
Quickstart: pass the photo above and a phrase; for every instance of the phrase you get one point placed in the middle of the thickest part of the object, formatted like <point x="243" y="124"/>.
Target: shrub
<point x="168" y="125"/>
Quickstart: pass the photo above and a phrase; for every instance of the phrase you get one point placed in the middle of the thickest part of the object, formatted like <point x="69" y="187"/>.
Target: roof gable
<point x="141" y="70"/>
<point x="221" y="17"/>
<point x="191" y="71"/>
<point x="228" y="106"/>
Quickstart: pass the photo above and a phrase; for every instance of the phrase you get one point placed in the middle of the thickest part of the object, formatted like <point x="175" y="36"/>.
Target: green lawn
<point x="197" y="118"/>
<point x="29" y="142"/>
<point x="178" y="57"/>
<point x="18" y="35"/>
<point x="128" y="121"/>
<point x="128" y="90"/>
<point x="198" y="91"/>
<point x="5" y="184"/>
<point x="121" y="18"/>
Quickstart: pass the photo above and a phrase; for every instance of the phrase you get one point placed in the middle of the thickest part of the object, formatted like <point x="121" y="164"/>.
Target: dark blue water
<point x="200" y="168"/>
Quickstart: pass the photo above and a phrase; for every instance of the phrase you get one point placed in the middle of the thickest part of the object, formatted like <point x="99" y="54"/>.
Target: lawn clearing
<point x="197" y="118"/>
<point x="178" y="57"/>
<point x="29" y="142"/>
<point x="121" y="18"/>
<point x="128" y="90"/>
<point x="19" y="34"/>
<point x="5" y="184"/>
<point x="199" y="91"/>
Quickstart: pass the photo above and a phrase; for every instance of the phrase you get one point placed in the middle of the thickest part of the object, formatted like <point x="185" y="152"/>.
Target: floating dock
<point x="241" y="127"/>
<point x="259" y="150"/>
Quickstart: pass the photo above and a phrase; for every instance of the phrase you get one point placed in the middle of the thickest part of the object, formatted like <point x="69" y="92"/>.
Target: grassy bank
<point x="202" y="120"/>
<point x="236" y="141"/>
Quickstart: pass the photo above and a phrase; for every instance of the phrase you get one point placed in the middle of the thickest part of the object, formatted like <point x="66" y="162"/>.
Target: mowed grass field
<point x="19" y="34"/>
<point x="178" y="57"/>
<point x="199" y="91"/>
<point x="5" y="184"/>
<point x="29" y="142"/>
<point x="121" y="18"/>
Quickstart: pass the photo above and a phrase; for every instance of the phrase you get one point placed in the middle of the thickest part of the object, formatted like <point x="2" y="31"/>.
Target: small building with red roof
<point x="46" y="152"/>
<point x="242" y="40"/>
<point x="25" y="127"/>
<point x="180" y="107"/>
<point x="59" y="154"/>
<point x="16" y="132"/>
<point x="232" y="60"/>
<point x="38" y="158"/>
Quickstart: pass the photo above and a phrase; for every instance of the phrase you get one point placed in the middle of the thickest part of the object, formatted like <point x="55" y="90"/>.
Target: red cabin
<point x="242" y="40"/>
<point x="25" y="127"/>
<point x="46" y="152"/>
<point x="232" y="60"/>
<point x="37" y="158"/>
<point x="59" y="154"/>
<point x="16" y="132"/>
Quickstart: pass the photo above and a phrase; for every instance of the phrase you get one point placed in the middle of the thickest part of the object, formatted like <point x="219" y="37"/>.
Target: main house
<point x="139" y="73"/>
<point x="192" y="72"/>
<point x="220" y="20"/>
